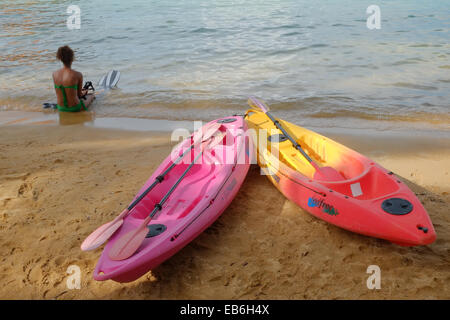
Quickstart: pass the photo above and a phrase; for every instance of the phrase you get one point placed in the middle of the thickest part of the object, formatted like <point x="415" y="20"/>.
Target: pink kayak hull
<point x="200" y="198"/>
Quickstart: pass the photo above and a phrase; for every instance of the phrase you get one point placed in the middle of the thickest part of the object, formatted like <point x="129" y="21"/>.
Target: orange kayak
<point x="369" y="199"/>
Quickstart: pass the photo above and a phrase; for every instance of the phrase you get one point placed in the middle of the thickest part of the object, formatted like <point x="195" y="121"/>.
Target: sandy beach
<point x="58" y="183"/>
<point x="374" y="77"/>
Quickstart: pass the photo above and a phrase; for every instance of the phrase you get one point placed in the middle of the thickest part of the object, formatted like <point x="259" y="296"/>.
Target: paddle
<point x="127" y="245"/>
<point x="104" y="232"/>
<point x="322" y="173"/>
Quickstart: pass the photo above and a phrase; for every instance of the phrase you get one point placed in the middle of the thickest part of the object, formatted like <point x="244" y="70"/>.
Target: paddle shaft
<point x="322" y="173"/>
<point x="127" y="245"/>
<point x="294" y="143"/>
<point x="159" y="179"/>
<point x="159" y="205"/>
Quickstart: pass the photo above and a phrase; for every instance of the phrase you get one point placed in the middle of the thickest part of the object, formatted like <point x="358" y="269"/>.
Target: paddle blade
<point x="328" y="174"/>
<point x="216" y="140"/>
<point x="99" y="236"/>
<point x="206" y="132"/>
<point x="112" y="78"/>
<point x="102" y="81"/>
<point x="124" y="247"/>
<point x="257" y="104"/>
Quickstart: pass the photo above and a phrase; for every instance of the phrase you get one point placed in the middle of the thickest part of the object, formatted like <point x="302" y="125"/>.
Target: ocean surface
<point x="314" y="62"/>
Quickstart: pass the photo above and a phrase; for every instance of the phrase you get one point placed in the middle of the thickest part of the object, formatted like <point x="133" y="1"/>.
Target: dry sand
<point x="58" y="183"/>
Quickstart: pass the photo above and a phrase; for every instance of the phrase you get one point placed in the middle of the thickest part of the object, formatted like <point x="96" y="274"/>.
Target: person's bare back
<point x="69" y="84"/>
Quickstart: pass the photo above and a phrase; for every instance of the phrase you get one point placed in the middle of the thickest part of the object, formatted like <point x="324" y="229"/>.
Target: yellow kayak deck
<point x="324" y="151"/>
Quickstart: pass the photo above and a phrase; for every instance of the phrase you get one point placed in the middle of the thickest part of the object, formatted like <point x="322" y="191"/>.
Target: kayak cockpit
<point x="372" y="184"/>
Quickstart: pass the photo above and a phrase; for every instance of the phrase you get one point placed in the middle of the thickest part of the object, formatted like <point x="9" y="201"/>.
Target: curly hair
<point x="66" y="55"/>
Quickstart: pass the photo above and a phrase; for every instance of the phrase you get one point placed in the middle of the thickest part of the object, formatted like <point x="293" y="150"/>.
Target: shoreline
<point x="60" y="182"/>
<point x="346" y="126"/>
<point x="90" y="119"/>
<point x="396" y="146"/>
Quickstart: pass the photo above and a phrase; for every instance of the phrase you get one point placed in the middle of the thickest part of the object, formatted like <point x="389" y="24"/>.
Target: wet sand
<point x="58" y="183"/>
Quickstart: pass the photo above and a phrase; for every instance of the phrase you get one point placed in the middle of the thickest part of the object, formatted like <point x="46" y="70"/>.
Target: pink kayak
<point x="199" y="199"/>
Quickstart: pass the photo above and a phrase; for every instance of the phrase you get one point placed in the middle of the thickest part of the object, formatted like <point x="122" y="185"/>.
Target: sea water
<point x="314" y="62"/>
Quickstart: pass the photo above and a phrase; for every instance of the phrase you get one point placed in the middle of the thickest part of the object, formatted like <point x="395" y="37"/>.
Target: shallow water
<point x="315" y="63"/>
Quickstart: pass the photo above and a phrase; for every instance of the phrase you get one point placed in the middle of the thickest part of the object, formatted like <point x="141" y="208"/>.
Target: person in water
<point x="71" y="97"/>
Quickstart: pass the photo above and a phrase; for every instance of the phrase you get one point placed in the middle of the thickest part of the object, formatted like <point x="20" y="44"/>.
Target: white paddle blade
<point x="110" y="79"/>
<point x="205" y="132"/>
<point x="216" y="139"/>
<point x="127" y="245"/>
<point x="102" y="81"/>
<point x="101" y="235"/>
<point x="257" y="104"/>
<point x="114" y="78"/>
